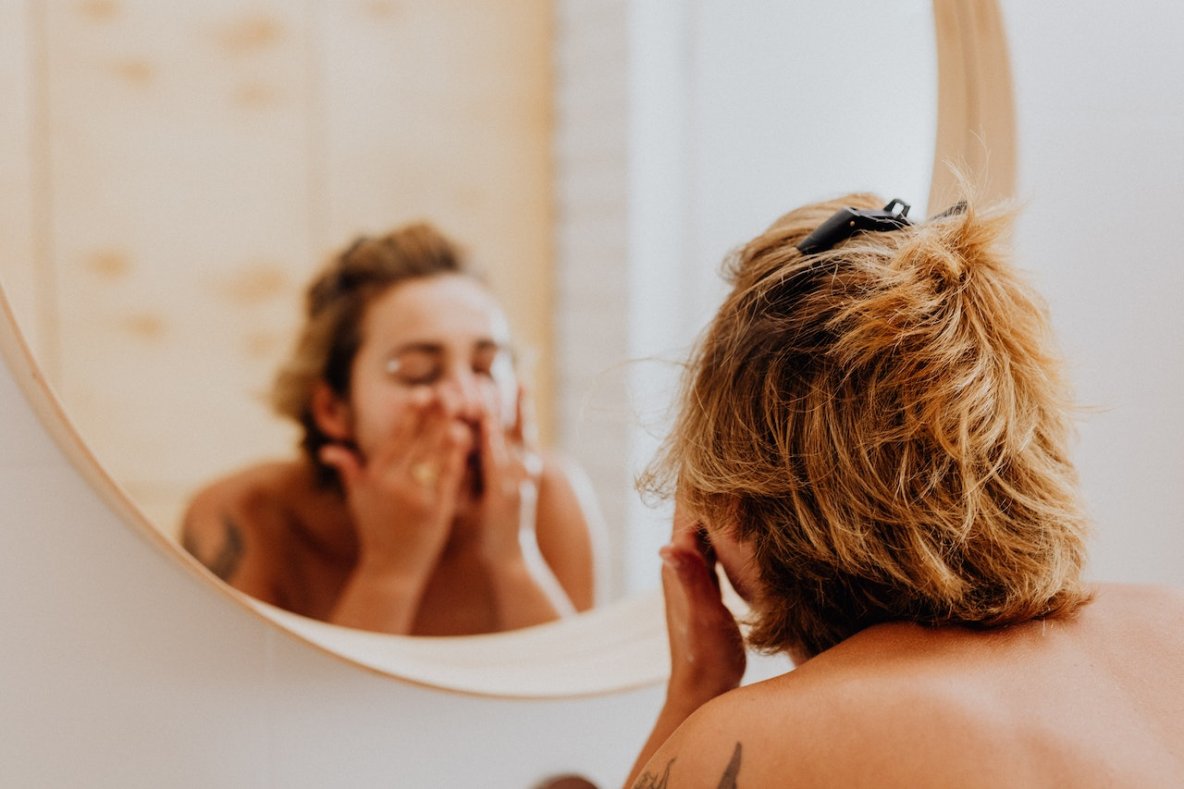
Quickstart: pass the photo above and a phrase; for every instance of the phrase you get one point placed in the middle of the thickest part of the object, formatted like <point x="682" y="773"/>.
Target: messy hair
<point x="335" y="305"/>
<point x="885" y="424"/>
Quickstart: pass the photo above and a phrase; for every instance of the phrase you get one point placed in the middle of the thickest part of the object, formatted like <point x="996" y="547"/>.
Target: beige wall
<point x="174" y="172"/>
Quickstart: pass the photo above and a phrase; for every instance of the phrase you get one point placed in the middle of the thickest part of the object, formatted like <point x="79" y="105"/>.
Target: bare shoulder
<point x="250" y="492"/>
<point x="904" y="705"/>
<point x="231" y="522"/>
<point x="1144" y="601"/>
<point x="832" y="725"/>
<point x="1137" y="628"/>
<point x="764" y="734"/>
<point x="566" y="492"/>
<point x="570" y="529"/>
<point x="561" y="475"/>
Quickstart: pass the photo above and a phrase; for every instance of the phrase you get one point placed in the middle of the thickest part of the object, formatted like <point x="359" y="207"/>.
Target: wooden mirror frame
<point x="623" y="645"/>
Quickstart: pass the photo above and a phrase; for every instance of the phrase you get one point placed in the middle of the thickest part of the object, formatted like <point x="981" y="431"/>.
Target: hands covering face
<point x="404" y="495"/>
<point x="510" y="468"/>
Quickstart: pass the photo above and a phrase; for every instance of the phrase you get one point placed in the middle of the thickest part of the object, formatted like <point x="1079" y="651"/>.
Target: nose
<point x="462" y="395"/>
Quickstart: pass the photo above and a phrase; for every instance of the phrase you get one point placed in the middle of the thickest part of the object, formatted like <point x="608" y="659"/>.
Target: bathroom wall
<point x="1101" y="179"/>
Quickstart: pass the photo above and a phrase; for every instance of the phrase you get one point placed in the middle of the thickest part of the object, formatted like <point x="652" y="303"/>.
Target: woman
<point x="419" y="504"/>
<point x="873" y="444"/>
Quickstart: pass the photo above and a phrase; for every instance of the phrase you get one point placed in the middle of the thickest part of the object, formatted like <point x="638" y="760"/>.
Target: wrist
<point x="392" y="568"/>
<point x="500" y="547"/>
<point x="507" y="567"/>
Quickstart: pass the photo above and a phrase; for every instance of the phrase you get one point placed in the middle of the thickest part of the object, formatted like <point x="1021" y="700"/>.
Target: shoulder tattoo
<point x="650" y="780"/>
<point x="732" y="771"/>
<point x="230" y="550"/>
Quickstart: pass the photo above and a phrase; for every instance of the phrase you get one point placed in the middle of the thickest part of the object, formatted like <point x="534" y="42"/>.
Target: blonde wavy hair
<point x="885" y="424"/>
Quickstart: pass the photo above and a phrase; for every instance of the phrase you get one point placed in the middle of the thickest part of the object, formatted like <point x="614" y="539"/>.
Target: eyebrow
<point x="435" y="348"/>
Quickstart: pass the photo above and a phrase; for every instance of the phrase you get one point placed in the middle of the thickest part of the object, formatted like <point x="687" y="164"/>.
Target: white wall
<point x="742" y="112"/>
<point x="1101" y="176"/>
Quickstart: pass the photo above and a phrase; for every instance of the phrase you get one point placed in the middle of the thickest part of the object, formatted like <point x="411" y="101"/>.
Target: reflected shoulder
<point x="569" y="529"/>
<point x="567" y="486"/>
<point x="250" y="491"/>
<point x="231" y="523"/>
<point x="558" y="468"/>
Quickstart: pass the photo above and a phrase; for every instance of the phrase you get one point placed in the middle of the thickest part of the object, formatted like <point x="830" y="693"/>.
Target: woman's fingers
<point x="526" y="430"/>
<point x="453" y="445"/>
<point x="407" y="431"/>
<point x="689" y="535"/>
<point x="706" y="649"/>
<point x="499" y="475"/>
<point x="696" y="579"/>
<point x="437" y="436"/>
<point x="493" y="440"/>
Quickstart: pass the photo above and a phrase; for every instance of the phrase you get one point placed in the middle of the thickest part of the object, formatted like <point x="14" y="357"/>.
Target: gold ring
<point x="425" y="473"/>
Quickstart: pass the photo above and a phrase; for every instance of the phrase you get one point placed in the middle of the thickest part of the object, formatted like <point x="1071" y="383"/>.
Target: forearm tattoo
<point x="230" y="552"/>
<point x="727" y="780"/>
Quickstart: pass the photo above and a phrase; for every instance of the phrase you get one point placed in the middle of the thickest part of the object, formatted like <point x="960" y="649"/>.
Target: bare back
<point x="1097" y="700"/>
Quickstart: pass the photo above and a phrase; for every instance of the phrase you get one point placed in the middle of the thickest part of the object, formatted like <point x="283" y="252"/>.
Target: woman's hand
<point x="707" y="655"/>
<point x="403" y="495"/>
<point x="510" y="471"/>
<point x="525" y="590"/>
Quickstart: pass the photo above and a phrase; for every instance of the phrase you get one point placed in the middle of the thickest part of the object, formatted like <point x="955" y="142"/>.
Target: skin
<point x="1092" y="700"/>
<point x="450" y="521"/>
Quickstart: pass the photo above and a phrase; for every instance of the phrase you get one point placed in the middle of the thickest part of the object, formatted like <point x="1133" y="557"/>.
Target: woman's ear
<point x="331" y="412"/>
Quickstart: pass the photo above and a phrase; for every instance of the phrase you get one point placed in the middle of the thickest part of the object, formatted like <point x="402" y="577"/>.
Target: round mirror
<point x="190" y="172"/>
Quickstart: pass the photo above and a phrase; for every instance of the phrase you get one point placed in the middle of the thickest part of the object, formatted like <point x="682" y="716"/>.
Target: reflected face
<point x="445" y="336"/>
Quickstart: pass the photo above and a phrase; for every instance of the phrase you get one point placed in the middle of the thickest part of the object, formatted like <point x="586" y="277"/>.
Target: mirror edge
<point x="975" y="102"/>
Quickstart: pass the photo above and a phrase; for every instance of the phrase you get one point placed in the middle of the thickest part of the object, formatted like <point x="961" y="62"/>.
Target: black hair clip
<point x="846" y="222"/>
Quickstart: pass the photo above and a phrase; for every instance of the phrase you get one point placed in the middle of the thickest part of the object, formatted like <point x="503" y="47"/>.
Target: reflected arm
<point x="554" y="575"/>
<point x="526" y="593"/>
<point x="570" y="530"/>
<point x="380" y="598"/>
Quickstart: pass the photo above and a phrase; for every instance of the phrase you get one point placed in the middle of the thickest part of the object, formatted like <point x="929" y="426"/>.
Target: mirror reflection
<point x="420" y="503"/>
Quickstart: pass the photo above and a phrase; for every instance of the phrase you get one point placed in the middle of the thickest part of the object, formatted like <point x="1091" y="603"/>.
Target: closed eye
<point x="416" y="366"/>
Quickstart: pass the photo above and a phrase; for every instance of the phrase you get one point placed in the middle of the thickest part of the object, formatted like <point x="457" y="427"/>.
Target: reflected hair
<point x="886" y="425"/>
<point x="334" y="307"/>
